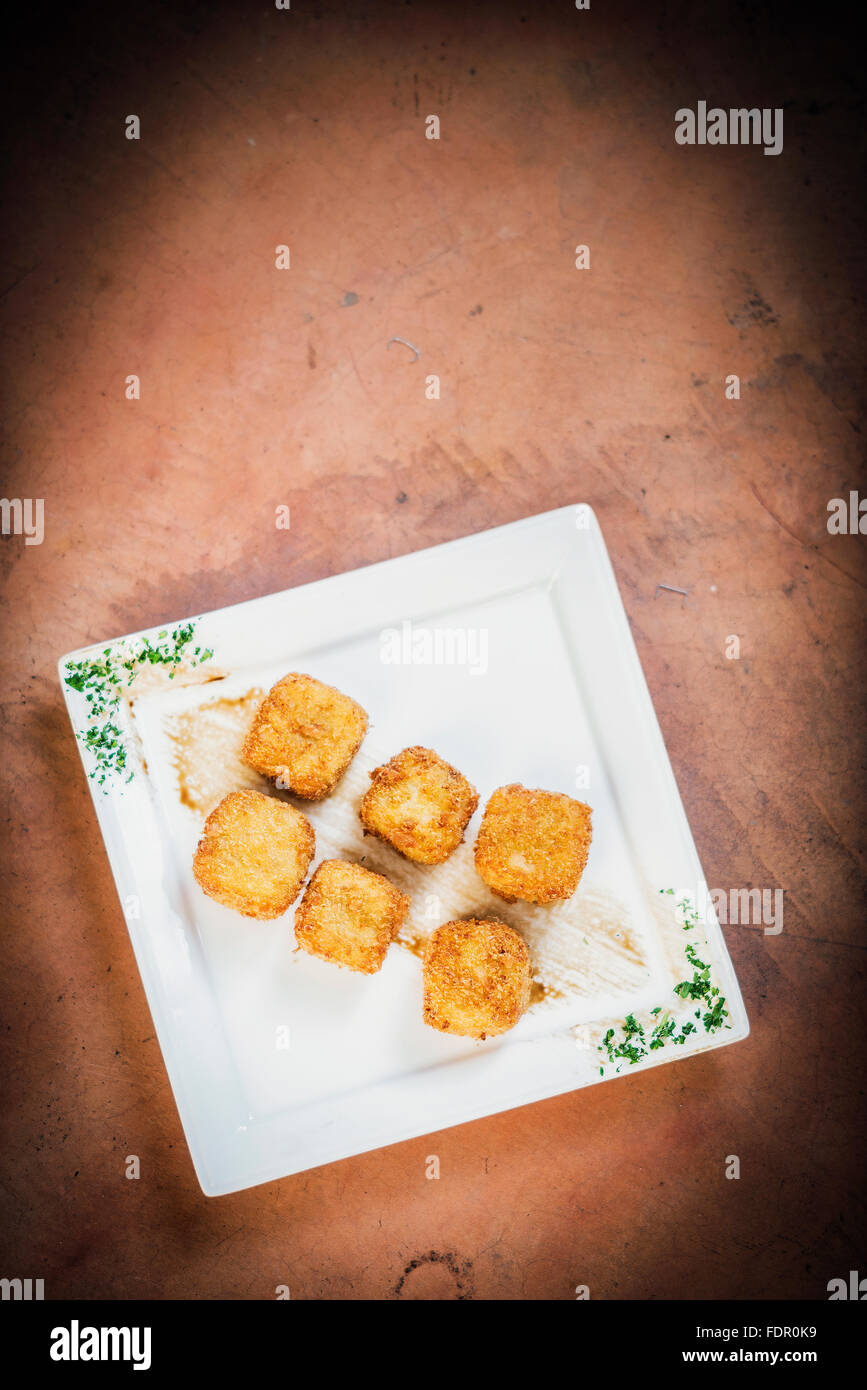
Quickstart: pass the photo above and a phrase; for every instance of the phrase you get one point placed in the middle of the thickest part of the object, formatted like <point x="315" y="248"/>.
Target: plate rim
<point x="111" y="827"/>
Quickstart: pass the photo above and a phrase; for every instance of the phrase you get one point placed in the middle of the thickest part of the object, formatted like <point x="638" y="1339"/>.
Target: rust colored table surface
<point x="263" y="387"/>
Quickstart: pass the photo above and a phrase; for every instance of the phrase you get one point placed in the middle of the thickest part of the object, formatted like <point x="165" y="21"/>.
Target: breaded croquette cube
<point x="476" y="978"/>
<point x="254" y="854"/>
<point x="420" y="804"/>
<point x="306" y="734"/>
<point x="349" y="915"/>
<point x="533" y="845"/>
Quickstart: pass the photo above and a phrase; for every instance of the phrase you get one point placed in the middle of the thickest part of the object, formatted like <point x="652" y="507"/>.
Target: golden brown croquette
<point x="306" y="734"/>
<point x="476" y="978"/>
<point x="420" y="804"/>
<point x="349" y="915"/>
<point x="254" y="854"/>
<point x="533" y="845"/>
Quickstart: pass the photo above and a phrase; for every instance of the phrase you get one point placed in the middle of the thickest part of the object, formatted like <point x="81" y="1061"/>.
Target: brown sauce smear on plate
<point x="207" y="744"/>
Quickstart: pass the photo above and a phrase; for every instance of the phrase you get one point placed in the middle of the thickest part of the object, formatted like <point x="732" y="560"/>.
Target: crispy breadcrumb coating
<point x="476" y="978"/>
<point x="349" y="915"/>
<point x="420" y="804"/>
<point x="305" y="734"/>
<point x="533" y="845"/>
<point x="254" y="854"/>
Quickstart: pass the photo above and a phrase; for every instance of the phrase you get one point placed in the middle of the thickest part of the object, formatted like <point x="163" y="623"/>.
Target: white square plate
<point x="509" y="653"/>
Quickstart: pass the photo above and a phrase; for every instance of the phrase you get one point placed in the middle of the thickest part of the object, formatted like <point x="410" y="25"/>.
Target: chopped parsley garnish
<point x="633" y="1044"/>
<point x="101" y="680"/>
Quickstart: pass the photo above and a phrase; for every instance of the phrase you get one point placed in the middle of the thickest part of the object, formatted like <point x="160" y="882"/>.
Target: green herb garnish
<point x="633" y="1044"/>
<point x="101" y="680"/>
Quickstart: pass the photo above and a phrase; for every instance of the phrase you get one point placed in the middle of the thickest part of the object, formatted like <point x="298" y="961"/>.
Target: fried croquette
<point x="253" y="854"/>
<point x="476" y="978"/>
<point x="349" y="915"/>
<point x="420" y="804"/>
<point x="533" y="845"/>
<point x="305" y="734"/>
